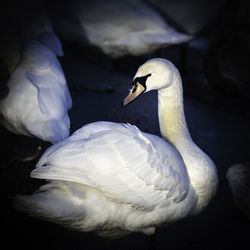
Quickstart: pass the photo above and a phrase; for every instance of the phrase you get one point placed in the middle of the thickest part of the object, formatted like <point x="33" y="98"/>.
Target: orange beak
<point x="137" y="90"/>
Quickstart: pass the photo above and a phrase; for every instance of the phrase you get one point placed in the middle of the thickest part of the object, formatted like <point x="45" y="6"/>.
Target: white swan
<point x="113" y="179"/>
<point x="238" y="177"/>
<point x="37" y="99"/>
<point x="118" y="28"/>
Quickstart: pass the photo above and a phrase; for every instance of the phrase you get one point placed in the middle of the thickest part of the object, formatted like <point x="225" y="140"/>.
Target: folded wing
<point x="127" y="165"/>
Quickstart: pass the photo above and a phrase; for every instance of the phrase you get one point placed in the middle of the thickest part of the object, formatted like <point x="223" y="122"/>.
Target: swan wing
<point x="47" y="76"/>
<point x="120" y="161"/>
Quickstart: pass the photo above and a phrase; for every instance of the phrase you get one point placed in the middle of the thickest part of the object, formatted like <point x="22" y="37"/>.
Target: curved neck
<point x="171" y="113"/>
<point x="201" y="169"/>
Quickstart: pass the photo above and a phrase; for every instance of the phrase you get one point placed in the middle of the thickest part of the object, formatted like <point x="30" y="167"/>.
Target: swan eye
<point x="141" y="80"/>
<point x="135" y="88"/>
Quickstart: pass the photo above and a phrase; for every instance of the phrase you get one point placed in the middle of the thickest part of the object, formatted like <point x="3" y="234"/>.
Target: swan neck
<point x="171" y="113"/>
<point x="201" y="169"/>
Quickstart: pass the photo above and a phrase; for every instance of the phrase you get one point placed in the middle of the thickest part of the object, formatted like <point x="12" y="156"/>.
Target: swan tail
<point x="52" y="202"/>
<point x="53" y="173"/>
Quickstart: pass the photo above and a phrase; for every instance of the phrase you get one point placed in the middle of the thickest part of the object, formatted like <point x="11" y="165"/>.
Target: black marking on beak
<point x="142" y="80"/>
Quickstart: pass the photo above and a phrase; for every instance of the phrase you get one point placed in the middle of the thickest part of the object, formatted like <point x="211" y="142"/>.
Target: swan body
<point x="118" y="28"/>
<point x="238" y="177"/>
<point x="113" y="179"/>
<point x="38" y="98"/>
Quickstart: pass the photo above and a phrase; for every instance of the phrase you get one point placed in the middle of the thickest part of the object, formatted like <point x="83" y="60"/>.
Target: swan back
<point x="122" y="151"/>
<point x="38" y="98"/>
<point x="119" y="28"/>
<point x="149" y="184"/>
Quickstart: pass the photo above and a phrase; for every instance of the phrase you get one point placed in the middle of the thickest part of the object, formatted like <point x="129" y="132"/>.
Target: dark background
<point x="215" y="69"/>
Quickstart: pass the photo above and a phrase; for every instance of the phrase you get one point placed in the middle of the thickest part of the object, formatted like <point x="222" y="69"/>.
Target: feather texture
<point x="118" y="28"/>
<point x="143" y="174"/>
<point x="38" y="99"/>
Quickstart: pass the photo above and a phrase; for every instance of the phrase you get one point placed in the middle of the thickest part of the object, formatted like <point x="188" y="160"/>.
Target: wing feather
<point x="47" y="76"/>
<point x="127" y="165"/>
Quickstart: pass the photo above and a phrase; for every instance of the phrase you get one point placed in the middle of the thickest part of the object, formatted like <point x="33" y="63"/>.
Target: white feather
<point x="38" y="98"/>
<point x="118" y="28"/>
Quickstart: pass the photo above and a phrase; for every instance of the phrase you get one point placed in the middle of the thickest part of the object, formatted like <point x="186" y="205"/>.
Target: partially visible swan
<point x="191" y="15"/>
<point x="113" y="179"/>
<point x="37" y="99"/>
<point x="118" y="28"/>
<point x="238" y="177"/>
<point x="29" y="73"/>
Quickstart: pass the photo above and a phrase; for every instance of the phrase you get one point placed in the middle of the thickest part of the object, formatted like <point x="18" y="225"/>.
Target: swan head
<point x="154" y="74"/>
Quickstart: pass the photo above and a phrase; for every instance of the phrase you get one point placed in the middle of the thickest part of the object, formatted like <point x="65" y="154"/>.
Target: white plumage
<point x="118" y="28"/>
<point x="113" y="179"/>
<point x="38" y="99"/>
